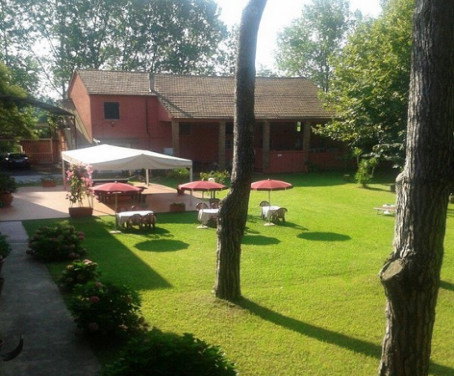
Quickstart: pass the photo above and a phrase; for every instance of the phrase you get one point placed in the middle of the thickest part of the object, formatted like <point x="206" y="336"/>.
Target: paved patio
<point x="37" y="202"/>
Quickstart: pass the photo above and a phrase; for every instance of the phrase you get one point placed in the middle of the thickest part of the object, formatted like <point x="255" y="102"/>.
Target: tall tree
<point x="233" y="212"/>
<point x="369" y="86"/>
<point x="169" y="36"/>
<point x="15" y="121"/>
<point x="411" y="275"/>
<point x="158" y="35"/>
<point x="306" y="47"/>
<point x="22" y="66"/>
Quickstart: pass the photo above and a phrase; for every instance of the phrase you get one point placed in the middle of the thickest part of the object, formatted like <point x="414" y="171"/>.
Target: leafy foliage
<point x="5" y="248"/>
<point x="78" y="272"/>
<point x="154" y="36"/>
<point x="369" y="88"/>
<point x="107" y="310"/>
<point x="159" y="353"/>
<point x="14" y="120"/>
<point x="7" y="183"/>
<point x="78" y="178"/>
<point x="219" y="176"/>
<point x="306" y="47"/>
<point x="56" y="243"/>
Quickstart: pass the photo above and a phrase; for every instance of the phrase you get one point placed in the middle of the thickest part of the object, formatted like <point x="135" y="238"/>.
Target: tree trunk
<point x="411" y="275"/>
<point x="233" y="211"/>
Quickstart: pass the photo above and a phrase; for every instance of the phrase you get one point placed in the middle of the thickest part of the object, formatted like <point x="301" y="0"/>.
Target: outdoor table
<point x="205" y="215"/>
<point x="386" y="209"/>
<point x="267" y="211"/>
<point x="122" y="217"/>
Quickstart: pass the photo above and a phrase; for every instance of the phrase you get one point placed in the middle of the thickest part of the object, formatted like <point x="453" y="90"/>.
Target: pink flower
<point x="94" y="299"/>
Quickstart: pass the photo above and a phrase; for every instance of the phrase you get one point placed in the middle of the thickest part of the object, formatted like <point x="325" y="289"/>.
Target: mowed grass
<point x="313" y="303"/>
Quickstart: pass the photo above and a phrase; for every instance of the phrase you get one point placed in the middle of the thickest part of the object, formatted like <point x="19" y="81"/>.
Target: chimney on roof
<point x="151" y="81"/>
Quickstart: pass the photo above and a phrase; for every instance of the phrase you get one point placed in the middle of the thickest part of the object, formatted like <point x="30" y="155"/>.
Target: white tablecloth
<point x="267" y="211"/>
<point x="122" y="217"/>
<point x="205" y="215"/>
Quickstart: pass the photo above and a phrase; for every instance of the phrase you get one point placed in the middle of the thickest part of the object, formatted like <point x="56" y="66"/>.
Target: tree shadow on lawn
<point x="162" y="245"/>
<point x="250" y="239"/>
<point x="447" y="285"/>
<point x="326" y="335"/>
<point x="120" y="259"/>
<point x="324" y="236"/>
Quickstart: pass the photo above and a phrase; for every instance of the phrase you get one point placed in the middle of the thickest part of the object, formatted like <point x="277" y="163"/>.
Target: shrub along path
<point x="31" y="305"/>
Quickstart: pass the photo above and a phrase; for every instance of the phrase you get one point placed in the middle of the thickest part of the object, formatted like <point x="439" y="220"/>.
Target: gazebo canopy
<point x="109" y="157"/>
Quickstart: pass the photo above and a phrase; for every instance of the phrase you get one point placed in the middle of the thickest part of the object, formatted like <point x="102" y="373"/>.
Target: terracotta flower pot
<point x="80" y="211"/>
<point x="177" y="207"/>
<point x="48" y="183"/>
<point x="6" y="199"/>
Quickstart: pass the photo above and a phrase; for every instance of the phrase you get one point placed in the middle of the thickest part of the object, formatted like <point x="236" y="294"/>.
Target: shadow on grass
<point x="324" y="236"/>
<point x="447" y="285"/>
<point x="326" y="335"/>
<point x="450" y="213"/>
<point x="312" y="331"/>
<point x="162" y="245"/>
<point x="294" y="225"/>
<point x="117" y="262"/>
<point x="250" y="239"/>
<point x="369" y="188"/>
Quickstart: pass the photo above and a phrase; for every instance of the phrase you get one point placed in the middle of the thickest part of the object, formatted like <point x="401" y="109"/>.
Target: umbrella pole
<point x="269" y="223"/>
<point x="115" y="231"/>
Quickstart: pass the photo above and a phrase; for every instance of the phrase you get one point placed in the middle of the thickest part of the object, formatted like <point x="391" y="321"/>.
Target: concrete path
<point x="31" y="305"/>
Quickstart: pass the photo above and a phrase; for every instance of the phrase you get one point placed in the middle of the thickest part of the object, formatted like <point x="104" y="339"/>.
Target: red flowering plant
<point x="107" y="310"/>
<point x="78" y="272"/>
<point x="57" y="243"/>
<point x="78" y="179"/>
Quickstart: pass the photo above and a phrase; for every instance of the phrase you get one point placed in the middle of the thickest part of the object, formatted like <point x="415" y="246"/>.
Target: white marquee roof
<point x="109" y="157"/>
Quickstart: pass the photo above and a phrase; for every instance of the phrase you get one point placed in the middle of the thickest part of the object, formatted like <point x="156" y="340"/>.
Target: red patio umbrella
<point x="202" y="186"/>
<point x="270" y="185"/>
<point x="115" y="188"/>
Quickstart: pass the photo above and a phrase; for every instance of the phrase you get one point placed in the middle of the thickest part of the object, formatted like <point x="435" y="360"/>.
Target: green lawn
<point x="313" y="304"/>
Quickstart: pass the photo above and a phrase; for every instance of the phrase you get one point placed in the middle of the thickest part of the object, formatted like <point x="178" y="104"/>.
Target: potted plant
<point x="7" y="187"/>
<point x="5" y="250"/>
<point x="48" y="182"/>
<point x="78" y="179"/>
<point x="177" y="207"/>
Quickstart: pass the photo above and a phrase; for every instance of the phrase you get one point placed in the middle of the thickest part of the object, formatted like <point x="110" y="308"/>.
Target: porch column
<point x="176" y="138"/>
<point x="306" y="143"/>
<point x="266" y="145"/>
<point x="221" y="146"/>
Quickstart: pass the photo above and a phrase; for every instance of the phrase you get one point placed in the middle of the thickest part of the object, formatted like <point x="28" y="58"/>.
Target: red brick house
<point x="192" y="117"/>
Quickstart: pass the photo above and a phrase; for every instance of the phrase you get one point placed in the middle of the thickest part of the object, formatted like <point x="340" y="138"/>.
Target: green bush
<point x="365" y="171"/>
<point x="158" y="354"/>
<point x="79" y="272"/>
<point x="106" y="310"/>
<point x="178" y="173"/>
<point x="7" y="183"/>
<point x="57" y="243"/>
<point x="5" y="248"/>
<point x="219" y="176"/>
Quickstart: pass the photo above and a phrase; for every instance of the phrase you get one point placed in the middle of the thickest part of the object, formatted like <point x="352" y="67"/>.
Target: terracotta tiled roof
<point x="115" y="82"/>
<point x="209" y="97"/>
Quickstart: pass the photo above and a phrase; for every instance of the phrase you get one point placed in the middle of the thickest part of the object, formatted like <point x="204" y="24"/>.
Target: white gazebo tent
<point x="109" y="157"/>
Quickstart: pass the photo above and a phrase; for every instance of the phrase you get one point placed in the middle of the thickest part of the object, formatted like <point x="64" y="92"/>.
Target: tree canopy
<point x="14" y="120"/>
<point x="306" y="47"/>
<point x="156" y="36"/>
<point x="369" y="86"/>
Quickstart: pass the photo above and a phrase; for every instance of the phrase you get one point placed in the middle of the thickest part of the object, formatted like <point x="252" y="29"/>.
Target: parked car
<point x="15" y="161"/>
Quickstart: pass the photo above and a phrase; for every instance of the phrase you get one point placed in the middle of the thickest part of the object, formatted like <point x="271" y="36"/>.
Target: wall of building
<point x="78" y="94"/>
